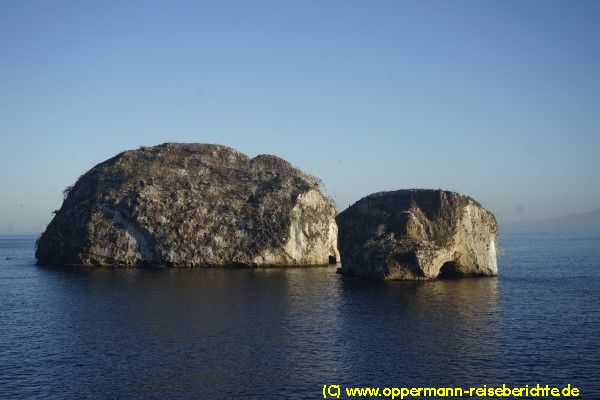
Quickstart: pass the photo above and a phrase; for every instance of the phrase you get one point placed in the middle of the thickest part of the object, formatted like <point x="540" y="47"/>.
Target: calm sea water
<point x="283" y="333"/>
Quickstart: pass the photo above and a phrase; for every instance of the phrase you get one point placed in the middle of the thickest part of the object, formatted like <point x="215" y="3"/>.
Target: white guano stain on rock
<point x="309" y="242"/>
<point x="136" y="236"/>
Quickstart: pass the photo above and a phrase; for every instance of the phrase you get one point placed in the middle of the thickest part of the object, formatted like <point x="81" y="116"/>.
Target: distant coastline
<point x="590" y="219"/>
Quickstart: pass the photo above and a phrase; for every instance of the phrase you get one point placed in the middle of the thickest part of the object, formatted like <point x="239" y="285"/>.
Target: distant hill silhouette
<point x="590" y="218"/>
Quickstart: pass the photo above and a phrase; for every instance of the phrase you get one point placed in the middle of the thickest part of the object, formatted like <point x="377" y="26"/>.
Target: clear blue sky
<point x="496" y="99"/>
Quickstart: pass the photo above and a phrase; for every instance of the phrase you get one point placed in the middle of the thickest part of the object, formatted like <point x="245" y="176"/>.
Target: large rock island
<point x="186" y="205"/>
<point x="417" y="234"/>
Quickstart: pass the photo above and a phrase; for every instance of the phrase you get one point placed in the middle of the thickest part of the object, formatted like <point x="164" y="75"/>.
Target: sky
<point x="499" y="100"/>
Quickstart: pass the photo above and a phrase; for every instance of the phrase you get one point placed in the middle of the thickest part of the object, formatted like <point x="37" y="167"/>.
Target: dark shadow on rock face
<point x="406" y="263"/>
<point x="450" y="270"/>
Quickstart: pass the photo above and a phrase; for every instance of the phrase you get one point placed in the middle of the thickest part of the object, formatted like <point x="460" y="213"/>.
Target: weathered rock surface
<point x="417" y="234"/>
<point x="184" y="205"/>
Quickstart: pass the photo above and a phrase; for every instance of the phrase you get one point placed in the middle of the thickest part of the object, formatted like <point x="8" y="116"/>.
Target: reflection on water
<point x="277" y="333"/>
<point x="419" y="333"/>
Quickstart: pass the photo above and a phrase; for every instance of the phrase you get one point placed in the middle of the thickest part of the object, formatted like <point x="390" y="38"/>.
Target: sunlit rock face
<point x="417" y="234"/>
<point x="187" y="205"/>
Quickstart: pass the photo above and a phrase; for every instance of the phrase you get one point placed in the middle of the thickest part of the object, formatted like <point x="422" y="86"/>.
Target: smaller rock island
<point x="192" y="205"/>
<point x="416" y="235"/>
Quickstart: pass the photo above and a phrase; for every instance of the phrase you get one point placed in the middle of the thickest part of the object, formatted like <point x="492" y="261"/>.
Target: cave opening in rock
<point x="450" y="270"/>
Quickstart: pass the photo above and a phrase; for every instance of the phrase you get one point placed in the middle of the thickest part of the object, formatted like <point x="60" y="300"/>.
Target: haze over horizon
<point x="498" y="100"/>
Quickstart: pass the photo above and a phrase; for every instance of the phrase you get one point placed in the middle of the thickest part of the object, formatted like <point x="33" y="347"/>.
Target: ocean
<point x="285" y="333"/>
